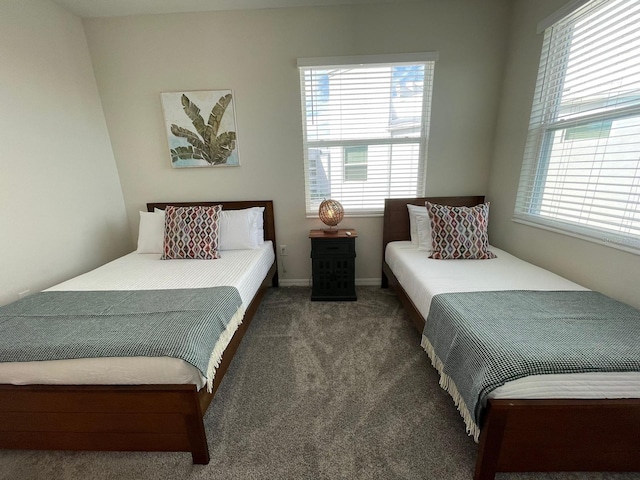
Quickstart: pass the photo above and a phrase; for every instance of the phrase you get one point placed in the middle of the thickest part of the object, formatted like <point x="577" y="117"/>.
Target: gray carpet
<point x="317" y="390"/>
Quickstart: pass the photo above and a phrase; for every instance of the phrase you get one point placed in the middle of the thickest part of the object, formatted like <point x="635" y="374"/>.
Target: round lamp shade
<point x="331" y="212"/>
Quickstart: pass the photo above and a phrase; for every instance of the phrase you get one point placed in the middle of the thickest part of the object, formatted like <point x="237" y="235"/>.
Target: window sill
<point x="607" y="239"/>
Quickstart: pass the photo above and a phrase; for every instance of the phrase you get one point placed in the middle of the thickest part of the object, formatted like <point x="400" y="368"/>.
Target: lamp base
<point x="330" y="230"/>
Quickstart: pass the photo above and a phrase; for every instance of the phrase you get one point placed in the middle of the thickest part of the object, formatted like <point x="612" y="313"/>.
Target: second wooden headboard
<point x="396" y="216"/>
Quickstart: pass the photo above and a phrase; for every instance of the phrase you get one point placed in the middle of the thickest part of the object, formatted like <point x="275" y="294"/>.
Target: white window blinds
<point x="365" y="123"/>
<point x="581" y="169"/>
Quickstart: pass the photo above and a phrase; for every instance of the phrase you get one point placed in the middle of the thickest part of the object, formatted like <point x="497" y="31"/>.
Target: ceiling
<point x="113" y="8"/>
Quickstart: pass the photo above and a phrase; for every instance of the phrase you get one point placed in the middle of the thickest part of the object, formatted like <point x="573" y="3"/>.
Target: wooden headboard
<point x="269" y="221"/>
<point x="396" y="215"/>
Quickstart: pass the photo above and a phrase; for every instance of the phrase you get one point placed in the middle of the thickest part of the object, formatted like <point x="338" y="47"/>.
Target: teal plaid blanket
<point x="183" y="323"/>
<point x="479" y="341"/>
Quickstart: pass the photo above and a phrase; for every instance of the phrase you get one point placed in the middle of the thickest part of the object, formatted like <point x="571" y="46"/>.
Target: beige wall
<point x="254" y="53"/>
<point x="613" y="272"/>
<point x="61" y="206"/>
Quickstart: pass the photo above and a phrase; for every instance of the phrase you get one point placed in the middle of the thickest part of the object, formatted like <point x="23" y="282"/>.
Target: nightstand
<point x="333" y="264"/>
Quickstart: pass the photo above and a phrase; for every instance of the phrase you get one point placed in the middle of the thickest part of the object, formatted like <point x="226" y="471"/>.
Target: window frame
<point x="542" y="128"/>
<point x="320" y="63"/>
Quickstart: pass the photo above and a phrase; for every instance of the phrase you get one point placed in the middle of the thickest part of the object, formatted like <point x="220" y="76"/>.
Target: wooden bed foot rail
<point x="559" y="436"/>
<point x="112" y="418"/>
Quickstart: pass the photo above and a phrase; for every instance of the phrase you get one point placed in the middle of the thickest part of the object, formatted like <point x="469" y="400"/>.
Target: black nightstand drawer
<point x="338" y="246"/>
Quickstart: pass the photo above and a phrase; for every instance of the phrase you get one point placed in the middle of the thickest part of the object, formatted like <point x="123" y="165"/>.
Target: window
<point x="355" y="164"/>
<point x="365" y="125"/>
<point x="581" y="168"/>
<point x="588" y="131"/>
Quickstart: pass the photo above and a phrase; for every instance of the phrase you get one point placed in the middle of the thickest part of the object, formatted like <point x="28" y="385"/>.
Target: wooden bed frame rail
<point x="551" y="435"/>
<point x="124" y="417"/>
<point x="95" y="417"/>
<point x="559" y="436"/>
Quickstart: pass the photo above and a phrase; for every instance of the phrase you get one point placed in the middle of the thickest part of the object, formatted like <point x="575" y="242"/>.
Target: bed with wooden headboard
<point x="532" y="435"/>
<point x="162" y="417"/>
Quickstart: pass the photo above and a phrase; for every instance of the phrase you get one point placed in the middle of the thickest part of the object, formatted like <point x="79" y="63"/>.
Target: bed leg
<point x="384" y="283"/>
<point x="274" y="281"/>
<point x="200" y="458"/>
<point x="197" y="439"/>
<point x="200" y="453"/>
<point x="490" y="443"/>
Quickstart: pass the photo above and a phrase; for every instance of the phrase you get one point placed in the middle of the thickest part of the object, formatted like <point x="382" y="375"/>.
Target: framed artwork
<point x="201" y="128"/>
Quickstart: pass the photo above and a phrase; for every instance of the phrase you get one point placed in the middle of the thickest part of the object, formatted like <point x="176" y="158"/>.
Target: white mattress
<point x="422" y="278"/>
<point x="243" y="269"/>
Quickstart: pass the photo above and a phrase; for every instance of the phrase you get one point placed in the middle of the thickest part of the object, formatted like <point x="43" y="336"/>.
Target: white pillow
<point x="416" y="212"/>
<point x="424" y="232"/>
<point x="241" y="229"/>
<point x="259" y="225"/>
<point x="151" y="232"/>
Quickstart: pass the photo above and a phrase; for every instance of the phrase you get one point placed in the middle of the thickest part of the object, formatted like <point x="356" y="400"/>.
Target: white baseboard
<point x="294" y="282"/>
<point x="306" y="282"/>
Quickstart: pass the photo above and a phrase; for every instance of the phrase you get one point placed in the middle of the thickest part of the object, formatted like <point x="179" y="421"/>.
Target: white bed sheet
<point x="243" y="269"/>
<point x="422" y="278"/>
